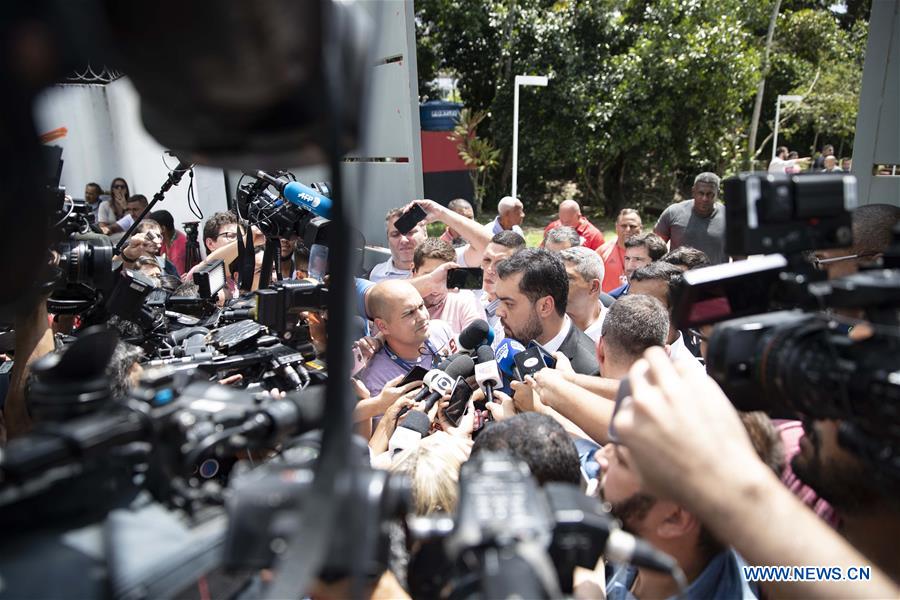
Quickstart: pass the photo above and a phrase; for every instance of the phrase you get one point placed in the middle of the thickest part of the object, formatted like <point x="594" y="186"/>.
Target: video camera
<point x="798" y="361"/>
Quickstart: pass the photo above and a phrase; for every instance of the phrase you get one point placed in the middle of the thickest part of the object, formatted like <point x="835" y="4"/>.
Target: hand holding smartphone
<point x="409" y="219"/>
<point x="465" y="279"/>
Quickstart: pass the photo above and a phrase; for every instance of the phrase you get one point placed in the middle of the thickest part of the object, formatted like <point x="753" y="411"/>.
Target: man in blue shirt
<point x="712" y="569"/>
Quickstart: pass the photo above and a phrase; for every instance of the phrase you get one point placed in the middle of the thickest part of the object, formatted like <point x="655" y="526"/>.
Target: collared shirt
<point x="557" y="340"/>
<point x="495" y="227"/>
<point x="593" y="330"/>
<point x="613" y="264"/>
<point x="387" y="270"/>
<point x="381" y="368"/>
<point x="722" y="578"/>
<point x="678" y="351"/>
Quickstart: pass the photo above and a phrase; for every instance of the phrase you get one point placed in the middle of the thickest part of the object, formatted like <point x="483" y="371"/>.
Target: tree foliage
<point x="643" y="93"/>
<point x="478" y="154"/>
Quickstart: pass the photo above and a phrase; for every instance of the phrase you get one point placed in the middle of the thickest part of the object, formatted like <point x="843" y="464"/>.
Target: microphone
<point x="505" y="355"/>
<point x="413" y="428"/>
<point x="475" y="334"/>
<point x="308" y="198"/>
<point x="486" y="372"/>
<point x="440" y="381"/>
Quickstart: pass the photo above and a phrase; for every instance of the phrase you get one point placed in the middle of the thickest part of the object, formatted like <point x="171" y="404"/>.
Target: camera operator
<point x="872" y="225"/>
<point x="688" y="445"/>
<point x="711" y="568"/>
<point x="147" y="240"/>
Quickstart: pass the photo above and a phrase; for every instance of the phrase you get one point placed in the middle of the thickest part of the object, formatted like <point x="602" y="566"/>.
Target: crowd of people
<point x="602" y="309"/>
<point x="674" y="463"/>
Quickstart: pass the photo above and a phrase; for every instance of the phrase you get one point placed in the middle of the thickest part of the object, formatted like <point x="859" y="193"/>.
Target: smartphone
<point x="459" y="398"/>
<point x="529" y="361"/>
<point x="416" y="374"/>
<point x="465" y="279"/>
<point x="409" y="219"/>
<point x="548" y="358"/>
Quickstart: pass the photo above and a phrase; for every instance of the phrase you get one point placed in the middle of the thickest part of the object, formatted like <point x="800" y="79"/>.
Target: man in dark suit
<point x="533" y="291"/>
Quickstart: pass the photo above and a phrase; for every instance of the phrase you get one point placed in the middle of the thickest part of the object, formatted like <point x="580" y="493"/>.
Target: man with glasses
<point x="872" y="225"/>
<point x="219" y="229"/>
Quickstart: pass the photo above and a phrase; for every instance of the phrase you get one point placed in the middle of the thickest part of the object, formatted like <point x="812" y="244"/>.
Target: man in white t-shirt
<point x="584" y="268"/>
<point x="781" y="162"/>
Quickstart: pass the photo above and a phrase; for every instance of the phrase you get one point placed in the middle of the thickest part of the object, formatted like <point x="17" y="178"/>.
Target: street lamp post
<point x="538" y="80"/>
<point x="781" y="98"/>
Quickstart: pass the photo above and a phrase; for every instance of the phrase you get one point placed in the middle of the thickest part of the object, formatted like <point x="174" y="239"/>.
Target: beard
<point x="632" y="510"/>
<point x="842" y="480"/>
<point x="531" y="330"/>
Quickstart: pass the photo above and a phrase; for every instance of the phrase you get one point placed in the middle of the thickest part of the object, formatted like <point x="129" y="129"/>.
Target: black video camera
<point x="781" y="349"/>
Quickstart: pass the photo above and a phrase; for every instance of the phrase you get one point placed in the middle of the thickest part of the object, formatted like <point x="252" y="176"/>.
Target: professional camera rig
<point x="782" y="348"/>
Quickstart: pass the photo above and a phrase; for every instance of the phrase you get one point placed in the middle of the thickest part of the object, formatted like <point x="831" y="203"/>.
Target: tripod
<point x="192" y="246"/>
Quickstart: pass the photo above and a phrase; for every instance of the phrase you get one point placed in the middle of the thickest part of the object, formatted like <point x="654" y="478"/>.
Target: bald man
<point x="410" y="337"/>
<point x="510" y="214"/>
<point x="570" y="216"/>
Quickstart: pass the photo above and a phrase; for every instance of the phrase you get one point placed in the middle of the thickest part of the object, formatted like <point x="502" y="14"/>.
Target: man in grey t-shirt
<point x="699" y="222"/>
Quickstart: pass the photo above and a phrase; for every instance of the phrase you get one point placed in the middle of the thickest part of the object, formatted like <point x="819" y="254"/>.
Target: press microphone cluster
<point x="315" y="201"/>
<point x="487" y="374"/>
<point x="476" y="334"/>
<point x="505" y="354"/>
<point x="440" y="380"/>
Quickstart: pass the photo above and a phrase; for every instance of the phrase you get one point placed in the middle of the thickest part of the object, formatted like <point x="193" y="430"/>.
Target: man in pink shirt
<point x="570" y="216"/>
<point x="457" y="309"/>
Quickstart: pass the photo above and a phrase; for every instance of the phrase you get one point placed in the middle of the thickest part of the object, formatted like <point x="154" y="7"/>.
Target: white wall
<point x="106" y="139"/>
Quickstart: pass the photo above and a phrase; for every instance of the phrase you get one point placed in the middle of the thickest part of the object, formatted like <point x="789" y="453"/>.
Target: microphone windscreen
<point x="417" y="421"/>
<point x="462" y="366"/>
<point x="485" y="354"/>
<point x="474" y="335"/>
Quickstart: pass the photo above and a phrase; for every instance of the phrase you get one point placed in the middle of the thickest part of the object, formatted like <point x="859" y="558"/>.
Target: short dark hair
<point x="139" y="198"/>
<point x="543" y="274"/>
<point x="433" y="248"/>
<point x="663" y="271"/>
<point x="656" y="248"/>
<point x="685" y="256"/>
<point x="215" y="222"/>
<point x="509" y="239"/>
<point x="537" y="440"/>
<point x="164" y="218"/>
<point x="633" y="324"/>
<point x="95" y="185"/>
<point x="563" y="233"/>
